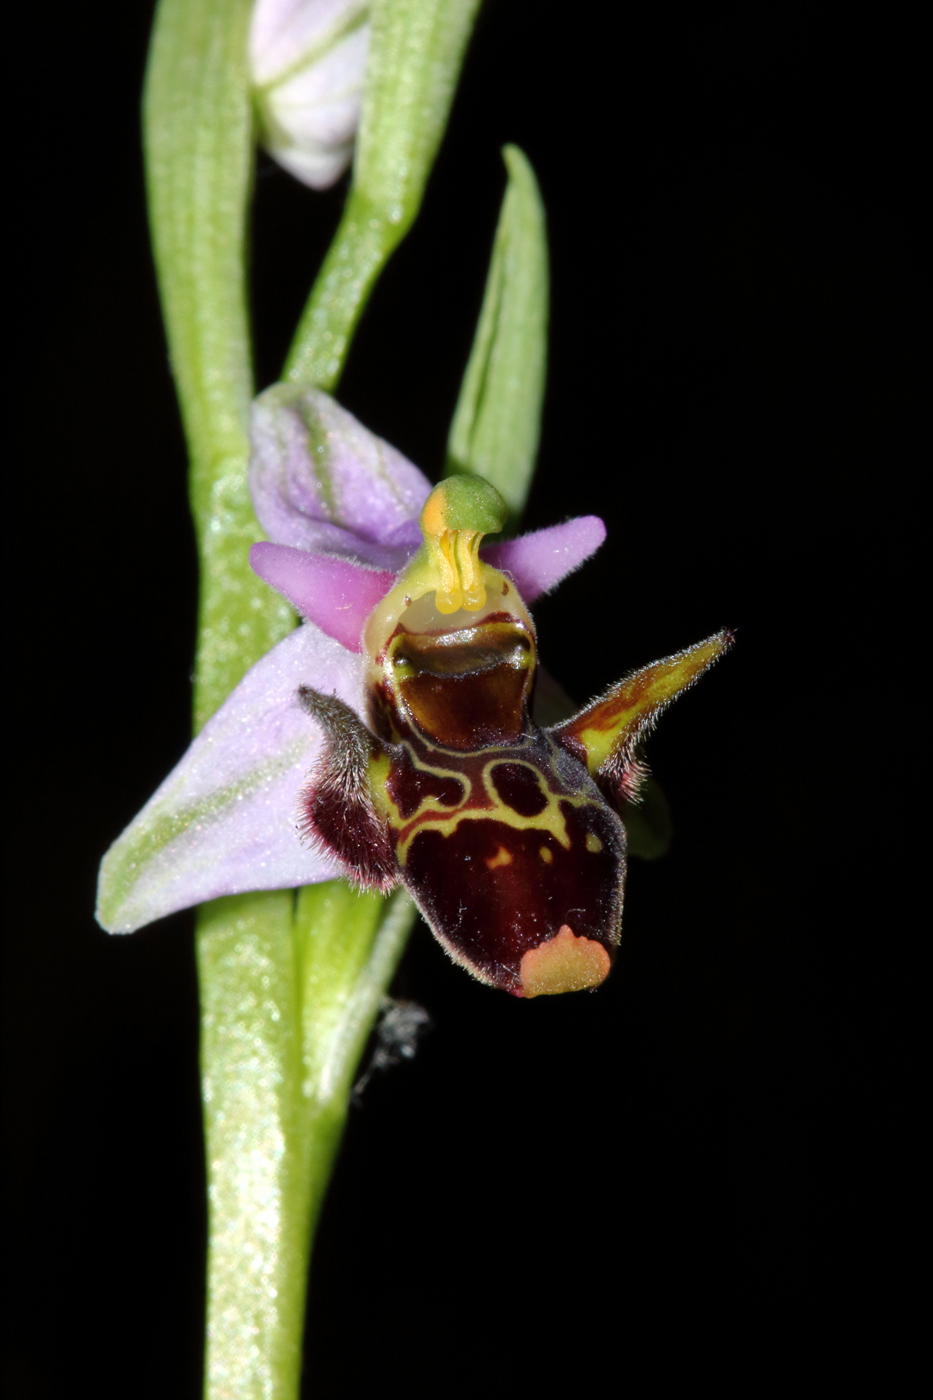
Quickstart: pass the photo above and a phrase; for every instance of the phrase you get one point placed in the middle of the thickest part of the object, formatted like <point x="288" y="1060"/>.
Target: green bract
<point x="415" y="54"/>
<point x="496" y="426"/>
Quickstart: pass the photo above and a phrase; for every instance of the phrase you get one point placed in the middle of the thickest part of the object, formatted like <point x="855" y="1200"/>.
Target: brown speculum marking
<point x="410" y="787"/>
<point x="467" y="688"/>
<point x="517" y="787"/>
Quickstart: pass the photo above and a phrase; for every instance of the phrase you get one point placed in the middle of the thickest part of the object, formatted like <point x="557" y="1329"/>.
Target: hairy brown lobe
<point x="336" y="803"/>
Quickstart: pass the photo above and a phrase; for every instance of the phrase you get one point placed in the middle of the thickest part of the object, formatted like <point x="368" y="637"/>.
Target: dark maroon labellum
<point x="507" y="836"/>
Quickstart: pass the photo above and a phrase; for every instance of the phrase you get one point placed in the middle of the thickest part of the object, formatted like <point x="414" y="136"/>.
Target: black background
<point x="703" y="1141"/>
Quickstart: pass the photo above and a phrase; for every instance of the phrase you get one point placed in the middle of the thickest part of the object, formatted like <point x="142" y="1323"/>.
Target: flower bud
<point x="308" y="61"/>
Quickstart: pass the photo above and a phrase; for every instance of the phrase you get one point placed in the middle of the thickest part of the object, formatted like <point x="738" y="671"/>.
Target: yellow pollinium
<point x="456" y="516"/>
<point x="456" y="554"/>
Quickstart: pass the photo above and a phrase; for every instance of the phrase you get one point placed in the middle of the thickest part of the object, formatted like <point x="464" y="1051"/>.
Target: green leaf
<point x="497" y="422"/>
<point x="197" y="128"/>
<point x="415" y="55"/>
<point x="199" y="152"/>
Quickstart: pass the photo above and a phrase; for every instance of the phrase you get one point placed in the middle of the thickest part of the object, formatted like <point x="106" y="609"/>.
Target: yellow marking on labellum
<point x="546" y="855"/>
<point x="428" y="804"/>
<point x="378" y="777"/>
<point x="593" y="843"/>
<point x="563" y="964"/>
<point x="502" y="857"/>
<point x="551" y="819"/>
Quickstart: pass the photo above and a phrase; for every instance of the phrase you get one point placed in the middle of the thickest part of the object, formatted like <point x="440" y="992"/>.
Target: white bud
<point x="308" y="62"/>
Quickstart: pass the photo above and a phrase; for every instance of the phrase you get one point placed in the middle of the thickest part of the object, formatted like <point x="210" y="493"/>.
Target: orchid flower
<point x="390" y="738"/>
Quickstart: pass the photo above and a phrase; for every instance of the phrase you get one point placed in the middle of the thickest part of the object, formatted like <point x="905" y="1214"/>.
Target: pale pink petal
<point x="537" y="562"/>
<point x="335" y="594"/>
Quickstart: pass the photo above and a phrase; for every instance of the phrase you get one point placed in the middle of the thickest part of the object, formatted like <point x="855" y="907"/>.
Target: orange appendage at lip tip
<point x="563" y="964"/>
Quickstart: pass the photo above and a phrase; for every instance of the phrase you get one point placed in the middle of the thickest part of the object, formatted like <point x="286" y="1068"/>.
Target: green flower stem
<point x="258" y="1213"/>
<point x="281" y="1038"/>
<point x="415" y="55"/>
<point x="198" y="136"/>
